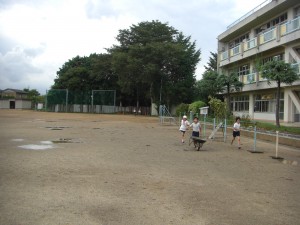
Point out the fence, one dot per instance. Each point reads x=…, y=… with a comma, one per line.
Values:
x=93, y=101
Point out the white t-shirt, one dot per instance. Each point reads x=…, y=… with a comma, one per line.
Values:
x=236, y=126
x=183, y=125
x=196, y=126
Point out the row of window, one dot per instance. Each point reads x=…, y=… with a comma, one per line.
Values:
x=245, y=69
x=280, y=19
x=262, y=103
x=272, y=23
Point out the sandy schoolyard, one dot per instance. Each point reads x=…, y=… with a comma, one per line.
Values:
x=87, y=169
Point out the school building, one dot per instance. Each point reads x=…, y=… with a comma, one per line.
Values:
x=269, y=31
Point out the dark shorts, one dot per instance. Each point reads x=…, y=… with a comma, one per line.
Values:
x=195, y=134
x=182, y=131
x=236, y=133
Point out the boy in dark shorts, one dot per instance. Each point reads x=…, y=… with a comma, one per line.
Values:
x=196, y=128
x=236, y=131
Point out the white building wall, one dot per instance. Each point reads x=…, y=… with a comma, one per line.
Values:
x=21, y=104
x=26, y=104
x=154, y=110
x=4, y=104
x=265, y=116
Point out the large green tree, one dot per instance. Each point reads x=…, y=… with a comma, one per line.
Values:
x=208, y=86
x=155, y=61
x=86, y=73
x=280, y=72
x=212, y=62
x=229, y=83
x=34, y=96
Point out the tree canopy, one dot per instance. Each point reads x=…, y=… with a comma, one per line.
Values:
x=155, y=61
x=229, y=83
x=34, y=96
x=280, y=72
x=208, y=86
x=152, y=62
x=212, y=62
x=86, y=73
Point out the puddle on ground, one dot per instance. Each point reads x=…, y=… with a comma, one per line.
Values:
x=66, y=140
x=46, y=145
x=18, y=139
x=46, y=142
x=37, y=147
x=56, y=128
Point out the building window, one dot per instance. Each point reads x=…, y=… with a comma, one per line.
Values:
x=239, y=40
x=297, y=12
x=240, y=103
x=267, y=103
x=274, y=57
x=269, y=25
x=244, y=70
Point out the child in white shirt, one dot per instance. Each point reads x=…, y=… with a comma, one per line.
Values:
x=236, y=131
x=183, y=127
x=196, y=128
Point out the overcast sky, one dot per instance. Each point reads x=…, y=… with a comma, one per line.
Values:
x=37, y=37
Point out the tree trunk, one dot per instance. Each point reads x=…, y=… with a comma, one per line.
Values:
x=278, y=104
x=137, y=99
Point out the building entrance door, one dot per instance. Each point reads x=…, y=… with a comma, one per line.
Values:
x=12, y=104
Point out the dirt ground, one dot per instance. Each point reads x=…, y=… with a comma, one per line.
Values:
x=129, y=170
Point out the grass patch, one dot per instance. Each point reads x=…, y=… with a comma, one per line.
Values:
x=282, y=129
x=263, y=126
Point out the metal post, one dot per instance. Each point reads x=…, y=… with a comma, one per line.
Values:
x=46, y=100
x=214, y=126
x=276, y=155
x=115, y=95
x=92, y=96
x=67, y=95
x=214, y=121
x=204, y=129
x=254, y=145
x=160, y=114
x=191, y=116
x=225, y=128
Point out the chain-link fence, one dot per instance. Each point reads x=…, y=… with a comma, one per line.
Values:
x=93, y=101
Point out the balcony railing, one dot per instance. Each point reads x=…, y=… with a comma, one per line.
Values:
x=260, y=78
x=249, y=78
x=297, y=67
x=270, y=35
x=250, y=44
x=236, y=50
x=290, y=26
x=224, y=55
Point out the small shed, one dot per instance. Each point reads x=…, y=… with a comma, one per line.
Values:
x=14, y=99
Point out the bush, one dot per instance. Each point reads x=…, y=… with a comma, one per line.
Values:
x=195, y=106
x=182, y=108
x=218, y=107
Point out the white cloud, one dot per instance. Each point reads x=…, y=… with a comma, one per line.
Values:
x=38, y=37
